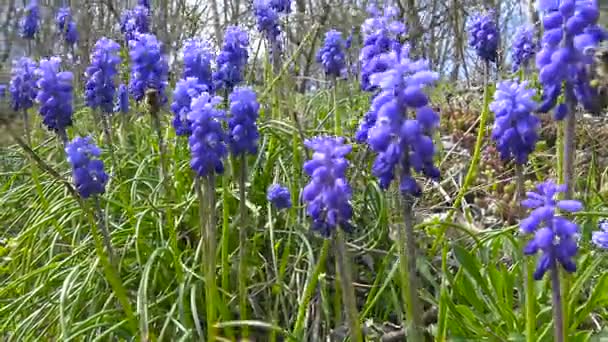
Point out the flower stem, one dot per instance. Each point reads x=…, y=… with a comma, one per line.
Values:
x=26, y=127
x=407, y=262
x=310, y=288
x=243, y=243
x=569, y=145
x=107, y=129
x=558, y=318
x=105, y=233
x=337, y=118
x=348, y=290
x=530, y=294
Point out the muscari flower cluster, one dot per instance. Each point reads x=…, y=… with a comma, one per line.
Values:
x=267, y=19
x=524, y=47
x=149, y=68
x=484, y=36
x=29, y=24
x=101, y=74
x=88, y=173
x=207, y=141
x=135, y=21
x=55, y=94
x=401, y=141
x=571, y=35
x=122, y=100
x=22, y=86
x=279, y=196
x=554, y=235
x=331, y=55
x=66, y=25
x=328, y=194
x=243, y=131
x=197, y=78
x=515, y=128
x=231, y=60
x=600, y=237
x=382, y=33
x=144, y=3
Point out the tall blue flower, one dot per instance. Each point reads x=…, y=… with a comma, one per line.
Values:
x=55, y=94
x=88, y=173
x=398, y=139
x=30, y=23
x=553, y=235
x=244, y=110
x=328, y=193
x=66, y=25
x=207, y=141
x=101, y=75
x=484, y=36
x=23, y=84
x=382, y=33
x=331, y=55
x=198, y=56
x=600, y=237
x=122, y=100
x=149, y=68
x=281, y=6
x=524, y=47
x=516, y=128
x=279, y=196
x=135, y=21
x=185, y=90
x=571, y=35
x=267, y=19
x=231, y=60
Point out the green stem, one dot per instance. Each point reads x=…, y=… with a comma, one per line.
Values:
x=348, y=290
x=107, y=128
x=105, y=233
x=310, y=288
x=472, y=171
x=530, y=295
x=207, y=226
x=407, y=263
x=26, y=127
x=243, y=243
x=225, y=233
x=337, y=118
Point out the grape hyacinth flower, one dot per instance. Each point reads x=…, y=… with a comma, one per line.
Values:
x=331, y=55
x=22, y=86
x=281, y=6
x=244, y=109
x=185, y=90
x=66, y=25
x=524, y=47
x=571, y=35
x=144, y=3
x=88, y=173
x=149, y=68
x=279, y=196
x=101, y=75
x=267, y=20
x=397, y=139
x=55, y=95
x=231, y=60
x=484, y=36
x=197, y=62
x=554, y=235
x=328, y=193
x=382, y=33
x=122, y=100
x=135, y=21
x=30, y=23
x=207, y=141
x=600, y=237
x=516, y=128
